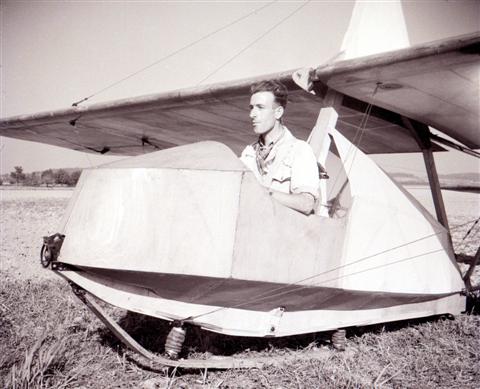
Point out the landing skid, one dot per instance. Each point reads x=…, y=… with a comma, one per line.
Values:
x=215, y=362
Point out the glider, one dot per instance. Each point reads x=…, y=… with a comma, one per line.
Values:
x=182, y=230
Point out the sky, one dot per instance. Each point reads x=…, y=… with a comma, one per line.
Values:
x=54, y=53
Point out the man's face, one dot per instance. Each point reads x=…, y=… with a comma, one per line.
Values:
x=264, y=112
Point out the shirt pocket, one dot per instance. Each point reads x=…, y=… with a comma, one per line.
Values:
x=282, y=172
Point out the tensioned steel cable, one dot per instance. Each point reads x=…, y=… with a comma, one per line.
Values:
x=253, y=42
x=363, y=125
x=471, y=228
x=301, y=287
x=463, y=243
x=354, y=144
x=175, y=52
x=284, y=289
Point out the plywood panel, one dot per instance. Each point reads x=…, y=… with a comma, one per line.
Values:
x=154, y=220
x=282, y=245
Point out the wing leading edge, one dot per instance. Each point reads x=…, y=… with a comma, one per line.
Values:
x=436, y=84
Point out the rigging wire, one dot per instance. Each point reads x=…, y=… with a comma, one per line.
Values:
x=462, y=246
x=284, y=289
x=471, y=228
x=253, y=42
x=175, y=52
x=355, y=143
x=302, y=287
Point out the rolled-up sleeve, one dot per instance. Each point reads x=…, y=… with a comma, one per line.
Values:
x=304, y=177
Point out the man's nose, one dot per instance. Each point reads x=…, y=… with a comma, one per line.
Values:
x=253, y=113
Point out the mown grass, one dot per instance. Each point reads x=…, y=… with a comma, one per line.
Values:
x=49, y=339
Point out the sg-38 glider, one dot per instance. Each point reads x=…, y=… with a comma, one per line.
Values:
x=183, y=231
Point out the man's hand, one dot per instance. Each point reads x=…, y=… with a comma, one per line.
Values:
x=301, y=202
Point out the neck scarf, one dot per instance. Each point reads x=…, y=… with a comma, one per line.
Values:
x=262, y=151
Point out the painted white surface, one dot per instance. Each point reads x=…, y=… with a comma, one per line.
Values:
x=157, y=220
x=216, y=223
x=388, y=227
x=375, y=27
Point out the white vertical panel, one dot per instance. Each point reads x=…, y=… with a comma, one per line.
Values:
x=375, y=27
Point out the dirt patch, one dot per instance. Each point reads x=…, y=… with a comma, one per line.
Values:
x=27, y=216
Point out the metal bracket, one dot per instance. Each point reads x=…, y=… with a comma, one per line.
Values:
x=51, y=249
x=275, y=315
x=58, y=266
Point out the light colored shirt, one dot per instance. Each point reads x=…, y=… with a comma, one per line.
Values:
x=290, y=167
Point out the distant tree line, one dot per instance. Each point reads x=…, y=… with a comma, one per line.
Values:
x=50, y=177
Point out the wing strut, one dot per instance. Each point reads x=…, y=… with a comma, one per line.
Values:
x=422, y=135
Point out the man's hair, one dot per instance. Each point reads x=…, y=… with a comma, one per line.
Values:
x=279, y=91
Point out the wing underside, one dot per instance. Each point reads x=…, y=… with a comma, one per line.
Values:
x=436, y=84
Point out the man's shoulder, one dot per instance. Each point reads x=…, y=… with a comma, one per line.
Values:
x=300, y=146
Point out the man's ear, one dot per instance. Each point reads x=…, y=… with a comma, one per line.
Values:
x=279, y=112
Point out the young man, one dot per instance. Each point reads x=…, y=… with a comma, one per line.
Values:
x=281, y=162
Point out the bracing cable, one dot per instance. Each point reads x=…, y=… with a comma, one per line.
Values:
x=471, y=229
x=463, y=242
x=287, y=288
x=355, y=143
x=253, y=42
x=175, y=52
x=282, y=291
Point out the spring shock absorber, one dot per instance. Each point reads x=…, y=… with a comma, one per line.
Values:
x=174, y=342
x=339, y=340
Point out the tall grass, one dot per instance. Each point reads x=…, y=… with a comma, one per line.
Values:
x=40, y=365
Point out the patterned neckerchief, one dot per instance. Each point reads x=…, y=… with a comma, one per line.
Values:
x=262, y=152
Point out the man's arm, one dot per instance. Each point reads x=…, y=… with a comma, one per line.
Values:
x=304, y=181
x=302, y=202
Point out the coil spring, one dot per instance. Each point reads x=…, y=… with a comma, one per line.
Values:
x=174, y=342
x=339, y=340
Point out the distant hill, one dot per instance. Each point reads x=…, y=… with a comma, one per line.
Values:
x=459, y=181
x=469, y=182
x=409, y=179
x=465, y=177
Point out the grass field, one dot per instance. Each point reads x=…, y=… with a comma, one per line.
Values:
x=48, y=338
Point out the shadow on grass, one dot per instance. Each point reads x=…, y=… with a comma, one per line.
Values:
x=473, y=303
x=395, y=326
x=151, y=333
